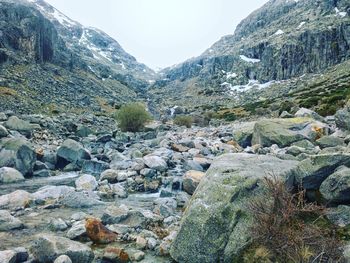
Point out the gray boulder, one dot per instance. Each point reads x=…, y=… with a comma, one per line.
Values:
x=155, y=162
x=86, y=182
x=71, y=152
x=284, y=132
x=79, y=200
x=342, y=119
x=303, y=112
x=311, y=172
x=9, y=222
x=339, y=215
x=16, y=255
x=336, y=188
x=52, y=192
x=330, y=141
x=215, y=224
x=18, y=154
x=16, y=199
x=47, y=248
x=10, y=175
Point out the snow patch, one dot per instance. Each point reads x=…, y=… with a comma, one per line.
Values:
x=279, y=32
x=252, y=84
x=301, y=25
x=62, y=19
x=338, y=13
x=249, y=60
x=231, y=75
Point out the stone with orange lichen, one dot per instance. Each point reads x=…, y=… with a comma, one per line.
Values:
x=98, y=233
x=115, y=254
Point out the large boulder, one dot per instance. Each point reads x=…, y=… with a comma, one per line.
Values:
x=336, y=188
x=243, y=133
x=9, y=222
x=46, y=248
x=303, y=112
x=71, y=152
x=24, y=127
x=18, y=154
x=10, y=175
x=311, y=172
x=215, y=225
x=342, y=119
x=330, y=141
x=284, y=132
x=52, y=192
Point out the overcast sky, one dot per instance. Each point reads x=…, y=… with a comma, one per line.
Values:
x=161, y=33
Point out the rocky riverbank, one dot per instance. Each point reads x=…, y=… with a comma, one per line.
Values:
x=74, y=188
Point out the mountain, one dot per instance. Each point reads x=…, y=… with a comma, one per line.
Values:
x=50, y=63
x=285, y=53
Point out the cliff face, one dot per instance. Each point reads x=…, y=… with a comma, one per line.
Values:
x=49, y=61
x=280, y=41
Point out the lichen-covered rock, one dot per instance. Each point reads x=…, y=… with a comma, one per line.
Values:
x=98, y=233
x=330, y=141
x=311, y=172
x=336, y=188
x=46, y=248
x=214, y=226
x=24, y=127
x=18, y=154
x=3, y=132
x=342, y=119
x=155, y=162
x=63, y=259
x=284, y=132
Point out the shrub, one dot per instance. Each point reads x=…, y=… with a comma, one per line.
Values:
x=132, y=117
x=183, y=121
x=288, y=229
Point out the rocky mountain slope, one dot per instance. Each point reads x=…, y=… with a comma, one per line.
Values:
x=49, y=62
x=273, y=47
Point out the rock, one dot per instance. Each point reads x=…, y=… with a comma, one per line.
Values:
x=3, y=132
x=155, y=162
x=342, y=119
x=8, y=222
x=193, y=165
x=42, y=173
x=83, y=131
x=8, y=256
x=86, y=182
x=115, y=176
x=339, y=215
x=18, y=154
x=16, y=124
x=329, y=141
x=311, y=172
x=16, y=199
x=94, y=167
x=46, y=248
x=63, y=259
x=3, y=116
x=137, y=256
x=124, y=216
x=71, y=152
x=52, y=192
x=57, y=224
x=115, y=254
x=336, y=188
x=243, y=133
x=284, y=132
x=286, y=114
x=141, y=242
x=77, y=230
x=346, y=253
x=179, y=148
x=213, y=227
x=79, y=200
x=191, y=180
x=98, y=233
x=303, y=112
x=119, y=190
x=9, y=175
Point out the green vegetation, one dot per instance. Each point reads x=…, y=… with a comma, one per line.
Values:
x=288, y=229
x=183, y=121
x=132, y=117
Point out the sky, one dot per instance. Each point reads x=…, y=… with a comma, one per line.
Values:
x=161, y=33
